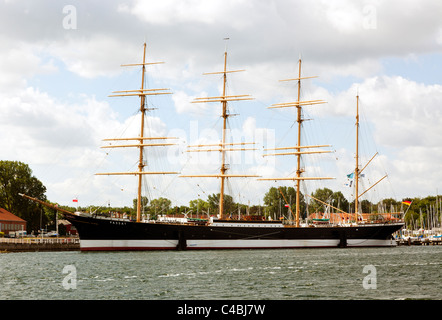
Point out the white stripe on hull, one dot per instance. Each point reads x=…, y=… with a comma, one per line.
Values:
x=127, y=244
x=226, y=244
x=371, y=243
x=284, y=243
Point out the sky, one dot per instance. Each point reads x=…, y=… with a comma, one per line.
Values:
x=59, y=62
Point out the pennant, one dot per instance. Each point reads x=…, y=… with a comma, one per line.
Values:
x=348, y=184
x=74, y=200
x=352, y=175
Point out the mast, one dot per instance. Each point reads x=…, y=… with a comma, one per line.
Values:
x=358, y=172
x=298, y=104
x=141, y=147
x=142, y=93
x=298, y=160
x=222, y=147
x=357, y=162
x=223, y=152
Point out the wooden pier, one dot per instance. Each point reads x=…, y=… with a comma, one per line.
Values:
x=39, y=244
x=419, y=242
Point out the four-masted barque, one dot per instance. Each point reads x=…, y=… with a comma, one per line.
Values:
x=104, y=233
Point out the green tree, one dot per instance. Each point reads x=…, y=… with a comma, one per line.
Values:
x=366, y=206
x=335, y=199
x=159, y=206
x=198, y=206
x=340, y=201
x=256, y=210
x=16, y=177
x=144, y=204
x=275, y=202
x=386, y=204
x=423, y=212
x=229, y=204
x=325, y=195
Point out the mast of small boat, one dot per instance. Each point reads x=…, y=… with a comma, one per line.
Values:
x=142, y=93
x=223, y=145
x=298, y=105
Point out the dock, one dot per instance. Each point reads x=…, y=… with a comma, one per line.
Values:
x=38, y=244
x=419, y=242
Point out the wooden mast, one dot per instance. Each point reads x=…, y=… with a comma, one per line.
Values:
x=141, y=147
x=142, y=93
x=223, y=152
x=222, y=147
x=358, y=171
x=357, y=162
x=298, y=167
x=298, y=104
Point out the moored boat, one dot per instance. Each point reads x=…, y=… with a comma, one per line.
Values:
x=103, y=233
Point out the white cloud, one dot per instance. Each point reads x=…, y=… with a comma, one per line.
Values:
x=344, y=16
x=439, y=36
x=183, y=103
x=405, y=117
x=94, y=56
x=19, y=62
x=170, y=12
x=337, y=39
x=403, y=112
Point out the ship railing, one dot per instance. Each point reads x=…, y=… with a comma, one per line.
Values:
x=100, y=216
x=363, y=218
x=40, y=240
x=111, y=218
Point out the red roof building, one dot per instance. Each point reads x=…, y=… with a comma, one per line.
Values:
x=10, y=222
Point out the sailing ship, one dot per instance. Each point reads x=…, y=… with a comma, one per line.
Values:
x=110, y=233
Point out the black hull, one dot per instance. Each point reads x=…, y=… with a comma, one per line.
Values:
x=113, y=234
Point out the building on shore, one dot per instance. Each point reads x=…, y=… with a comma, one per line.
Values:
x=69, y=227
x=10, y=223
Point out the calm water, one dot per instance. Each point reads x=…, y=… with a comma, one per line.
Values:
x=399, y=273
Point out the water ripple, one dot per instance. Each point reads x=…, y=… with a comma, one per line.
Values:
x=401, y=273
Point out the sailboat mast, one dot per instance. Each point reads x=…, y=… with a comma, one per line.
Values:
x=298, y=167
x=357, y=162
x=223, y=152
x=222, y=147
x=142, y=93
x=141, y=161
x=299, y=149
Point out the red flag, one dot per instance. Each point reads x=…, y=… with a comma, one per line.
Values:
x=74, y=200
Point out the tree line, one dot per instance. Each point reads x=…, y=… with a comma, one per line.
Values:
x=16, y=177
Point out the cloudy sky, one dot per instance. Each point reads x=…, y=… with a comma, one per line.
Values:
x=60, y=61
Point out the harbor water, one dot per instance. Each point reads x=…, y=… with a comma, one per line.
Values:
x=367, y=273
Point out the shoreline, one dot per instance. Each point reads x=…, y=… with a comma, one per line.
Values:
x=38, y=244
